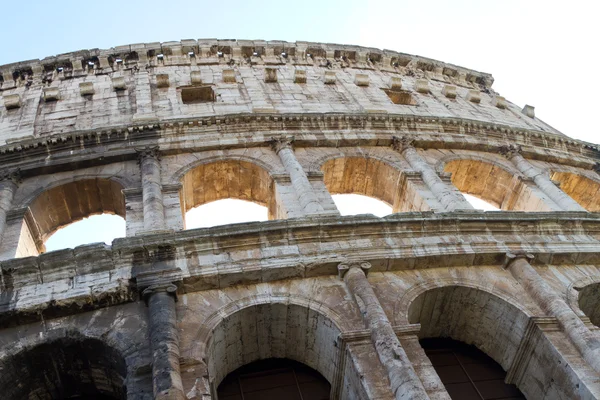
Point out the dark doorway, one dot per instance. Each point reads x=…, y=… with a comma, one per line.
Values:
x=274, y=379
x=467, y=372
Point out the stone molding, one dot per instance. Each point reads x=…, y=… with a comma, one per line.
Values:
x=481, y=136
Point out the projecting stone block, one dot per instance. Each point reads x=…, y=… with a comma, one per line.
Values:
x=361, y=80
x=86, y=88
x=422, y=86
x=162, y=80
x=270, y=75
x=12, y=101
x=449, y=91
x=118, y=83
x=196, y=77
x=51, y=94
x=299, y=76
x=395, y=83
x=499, y=102
x=229, y=76
x=529, y=111
x=329, y=77
x=474, y=96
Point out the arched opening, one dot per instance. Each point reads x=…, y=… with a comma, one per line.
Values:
x=279, y=330
x=96, y=228
x=227, y=180
x=68, y=368
x=494, y=185
x=589, y=302
x=353, y=204
x=467, y=372
x=499, y=329
x=274, y=379
x=226, y=211
x=375, y=179
x=479, y=204
x=583, y=190
x=63, y=205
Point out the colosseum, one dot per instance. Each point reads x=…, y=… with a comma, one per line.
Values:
x=437, y=300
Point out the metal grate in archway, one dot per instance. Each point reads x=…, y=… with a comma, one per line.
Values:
x=467, y=372
x=274, y=379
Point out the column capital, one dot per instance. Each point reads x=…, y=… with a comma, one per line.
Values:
x=401, y=143
x=345, y=266
x=13, y=176
x=147, y=152
x=510, y=150
x=168, y=288
x=282, y=142
x=516, y=255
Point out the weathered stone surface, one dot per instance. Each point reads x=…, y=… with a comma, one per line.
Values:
x=168, y=313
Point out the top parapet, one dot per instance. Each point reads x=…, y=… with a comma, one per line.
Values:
x=208, y=51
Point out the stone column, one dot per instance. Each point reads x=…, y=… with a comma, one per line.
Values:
x=154, y=213
x=448, y=196
x=8, y=187
x=164, y=341
x=563, y=200
x=307, y=197
x=554, y=306
x=404, y=381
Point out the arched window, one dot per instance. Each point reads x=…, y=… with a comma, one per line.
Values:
x=69, y=368
x=274, y=379
x=96, y=228
x=468, y=373
x=375, y=179
x=220, y=192
x=69, y=203
x=495, y=185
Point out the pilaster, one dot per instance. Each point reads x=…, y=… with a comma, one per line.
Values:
x=447, y=195
x=404, y=381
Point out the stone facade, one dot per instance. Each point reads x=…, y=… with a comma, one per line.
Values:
x=149, y=131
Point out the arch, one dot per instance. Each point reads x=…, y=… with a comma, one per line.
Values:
x=73, y=367
x=582, y=189
x=270, y=326
x=494, y=183
x=374, y=178
x=65, y=203
x=502, y=329
x=181, y=172
x=228, y=178
x=473, y=316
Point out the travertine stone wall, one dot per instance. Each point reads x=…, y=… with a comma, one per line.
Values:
x=167, y=313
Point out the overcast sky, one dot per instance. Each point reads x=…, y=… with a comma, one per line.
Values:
x=542, y=53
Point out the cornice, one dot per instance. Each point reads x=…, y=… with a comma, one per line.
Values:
x=232, y=52
x=309, y=130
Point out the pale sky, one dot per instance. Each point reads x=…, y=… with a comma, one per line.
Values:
x=541, y=53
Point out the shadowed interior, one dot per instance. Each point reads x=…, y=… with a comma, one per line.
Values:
x=69, y=368
x=589, y=302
